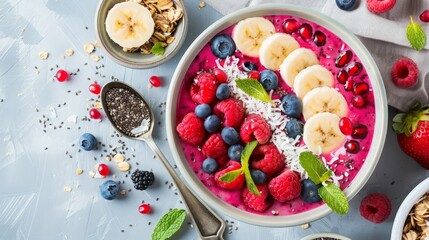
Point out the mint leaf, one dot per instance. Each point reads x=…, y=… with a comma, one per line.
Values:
x=254, y=89
x=416, y=36
x=313, y=166
x=231, y=176
x=245, y=155
x=157, y=49
x=326, y=176
x=334, y=198
x=169, y=224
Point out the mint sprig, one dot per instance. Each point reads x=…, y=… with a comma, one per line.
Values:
x=231, y=176
x=157, y=49
x=254, y=89
x=169, y=224
x=416, y=36
x=330, y=193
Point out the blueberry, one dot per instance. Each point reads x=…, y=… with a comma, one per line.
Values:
x=258, y=176
x=309, y=191
x=209, y=165
x=230, y=135
x=212, y=123
x=294, y=128
x=109, y=190
x=223, y=91
x=346, y=5
x=268, y=79
x=234, y=152
x=223, y=46
x=87, y=142
x=249, y=66
x=203, y=110
x=292, y=105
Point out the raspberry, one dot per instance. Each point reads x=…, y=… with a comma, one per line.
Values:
x=404, y=73
x=191, y=129
x=234, y=185
x=258, y=203
x=216, y=148
x=231, y=111
x=268, y=159
x=204, y=90
x=380, y=6
x=285, y=187
x=375, y=207
x=255, y=127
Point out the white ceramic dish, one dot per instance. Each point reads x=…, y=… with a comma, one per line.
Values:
x=325, y=235
x=405, y=208
x=379, y=130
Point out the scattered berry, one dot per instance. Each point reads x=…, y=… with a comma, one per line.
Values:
x=358, y=101
x=249, y=66
x=204, y=90
x=285, y=186
x=103, y=169
x=352, y=146
x=290, y=25
x=234, y=185
x=223, y=91
x=231, y=111
x=95, y=88
x=142, y=179
x=155, y=81
x=309, y=191
x=212, y=123
x=203, y=110
x=144, y=208
x=305, y=31
x=258, y=203
x=209, y=165
x=191, y=129
x=253, y=74
x=230, y=135
x=349, y=85
x=319, y=38
x=359, y=131
x=342, y=76
x=268, y=79
x=343, y=58
x=223, y=46
x=375, y=207
x=109, y=190
x=87, y=142
x=267, y=158
x=258, y=176
x=380, y=6
x=255, y=127
x=354, y=68
x=346, y=5
x=360, y=88
x=61, y=75
x=404, y=73
x=216, y=148
x=220, y=75
x=234, y=152
x=294, y=128
x=292, y=105
x=424, y=16
x=95, y=114
x=346, y=126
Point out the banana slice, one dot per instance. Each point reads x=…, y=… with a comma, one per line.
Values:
x=275, y=49
x=324, y=99
x=295, y=62
x=129, y=24
x=249, y=34
x=312, y=77
x=322, y=134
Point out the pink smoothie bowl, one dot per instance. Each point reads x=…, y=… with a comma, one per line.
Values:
x=380, y=127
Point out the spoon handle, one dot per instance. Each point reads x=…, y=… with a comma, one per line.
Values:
x=210, y=226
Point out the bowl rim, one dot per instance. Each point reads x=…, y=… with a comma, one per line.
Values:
x=380, y=127
x=405, y=208
x=329, y=235
x=142, y=65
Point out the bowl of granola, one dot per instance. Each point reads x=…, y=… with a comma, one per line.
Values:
x=412, y=219
x=141, y=33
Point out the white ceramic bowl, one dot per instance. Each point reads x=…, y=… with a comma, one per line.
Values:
x=325, y=235
x=405, y=208
x=379, y=130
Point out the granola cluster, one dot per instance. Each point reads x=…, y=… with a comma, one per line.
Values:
x=417, y=224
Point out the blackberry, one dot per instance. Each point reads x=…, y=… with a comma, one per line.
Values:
x=142, y=179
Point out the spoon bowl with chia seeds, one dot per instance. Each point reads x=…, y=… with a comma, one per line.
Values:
x=131, y=115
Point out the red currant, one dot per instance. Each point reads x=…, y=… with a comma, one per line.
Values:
x=352, y=146
x=253, y=75
x=94, y=114
x=62, y=75
x=360, y=88
x=346, y=126
x=220, y=75
x=290, y=25
x=348, y=86
x=354, y=69
x=343, y=58
x=342, y=76
x=103, y=169
x=358, y=101
x=144, y=208
x=155, y=81
x=359, y=131
x=305, y=31
x=95, y=88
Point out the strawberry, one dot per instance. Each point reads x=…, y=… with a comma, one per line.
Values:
x=412, y=130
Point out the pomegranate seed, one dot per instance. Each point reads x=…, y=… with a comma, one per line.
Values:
x=95, y=88
x=144, y=208
x=358, y=101
x=352, y=146
x=319, y=38
x=61, y=75
x=343, y=58
x=253, y=75
x=155, y=81
x=354, y=69
x=94, y=114
x=424, y=17
x=103, y=169
x=290, y=25
x=220, y=75
x=342, y=76
x=359, y=131
x=348, y=86
x=361, y=88
x=346, y=126
x=305, y=31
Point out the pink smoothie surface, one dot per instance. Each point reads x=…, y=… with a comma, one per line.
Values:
x=347, y=165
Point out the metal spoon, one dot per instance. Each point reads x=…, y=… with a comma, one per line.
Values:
x=209, y=225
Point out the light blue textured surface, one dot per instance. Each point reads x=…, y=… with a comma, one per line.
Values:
x=33, y=204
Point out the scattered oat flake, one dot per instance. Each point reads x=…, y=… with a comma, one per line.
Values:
x=108, y=158
x=79, y=171
x=95, y=58
x=149, y=85
x=69, y=52
x=305, y=226
x=97, y=43
x=43, y=55
x=88, y=48
x=67, y=189
x=202, y=4
x=118, y=158
x=91, y=174
x=123, y=192
x=123, y=166
x=72, y=119
x=98, y=105
x=37, y=71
